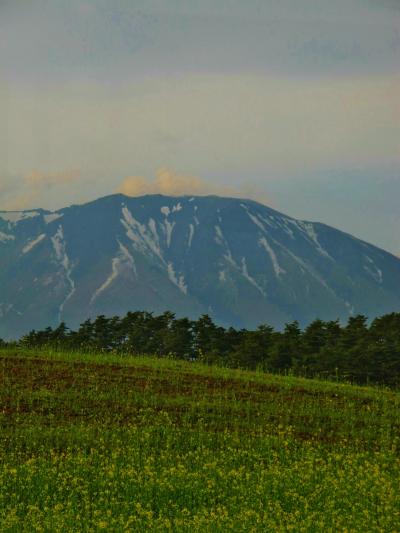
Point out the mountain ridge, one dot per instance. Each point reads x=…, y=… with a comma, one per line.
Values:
x=242, y=262
x=234, y=198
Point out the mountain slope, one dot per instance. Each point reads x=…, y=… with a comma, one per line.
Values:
x=240, y=261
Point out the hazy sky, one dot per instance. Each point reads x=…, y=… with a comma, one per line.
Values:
x=295, y=103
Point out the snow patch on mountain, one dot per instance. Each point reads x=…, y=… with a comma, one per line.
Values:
x=4, y=237
x=304, y=266
x=179, y=282
x=127, y=257
x=153, y=229
x=264, y=243
x=31, y=244
x=168, y=228
x=17, y=216
x=287, y=229
x=177, y=207
x=270, y=220
x=310, y=232
x=373, y=270
x=124, y=258
x=250, y=279
x=191, y=233
x=51, y=217
x=311, y=271
x=59, y=246
x=114, y=273
x=272, y=255
x=220, y=239
x=256, y=221
x=143, y=240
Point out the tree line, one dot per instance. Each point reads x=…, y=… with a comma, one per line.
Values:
x=356, y=351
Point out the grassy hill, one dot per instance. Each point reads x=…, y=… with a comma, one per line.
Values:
x=91, y=443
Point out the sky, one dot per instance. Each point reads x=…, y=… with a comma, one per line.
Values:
x=295, y=104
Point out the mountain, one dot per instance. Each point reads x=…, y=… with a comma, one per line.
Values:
x=240, y=261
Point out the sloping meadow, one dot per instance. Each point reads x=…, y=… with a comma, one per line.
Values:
x=141, y=444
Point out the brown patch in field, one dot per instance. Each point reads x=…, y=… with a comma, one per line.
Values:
x=41, y=374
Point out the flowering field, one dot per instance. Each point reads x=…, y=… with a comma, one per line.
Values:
x=91, y=443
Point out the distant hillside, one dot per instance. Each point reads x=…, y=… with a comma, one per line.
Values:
x=238, y=260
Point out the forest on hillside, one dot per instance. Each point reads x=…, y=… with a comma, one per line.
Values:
x=357, y=351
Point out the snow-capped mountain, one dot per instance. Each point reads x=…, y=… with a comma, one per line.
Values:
x=239, y=261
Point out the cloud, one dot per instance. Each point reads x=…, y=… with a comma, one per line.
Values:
x=170, y=183
x=28, y=191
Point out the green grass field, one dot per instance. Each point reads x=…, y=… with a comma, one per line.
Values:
x=91, y=443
